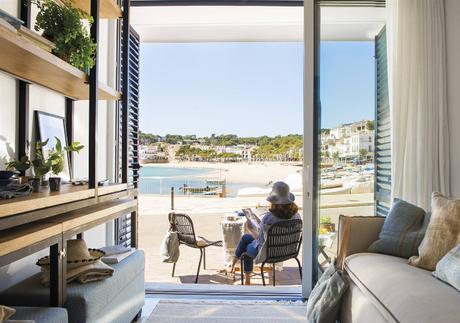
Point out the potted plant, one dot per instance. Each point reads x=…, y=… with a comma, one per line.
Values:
x=62, y=24
x=326, y=225
x=56, y=161
x=21, y=165
x=40, y=165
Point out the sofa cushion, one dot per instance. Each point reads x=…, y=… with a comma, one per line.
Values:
x=324, y=301
x=41, y=314
x=401, y=292
x=363, y=231
x=448, y=269
x=84, y=301
x=402, y=231
x=442, y=234
x=357, y=307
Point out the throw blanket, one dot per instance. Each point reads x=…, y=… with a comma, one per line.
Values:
x=114, y=250
x=82, y=274
x=15, y=190
x=169, y=249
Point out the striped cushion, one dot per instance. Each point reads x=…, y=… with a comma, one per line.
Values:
x=402, y=231
x=448, y=268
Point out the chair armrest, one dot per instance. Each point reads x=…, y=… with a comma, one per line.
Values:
x=363, y=231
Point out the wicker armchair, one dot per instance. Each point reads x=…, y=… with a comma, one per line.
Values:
x=183, y=225
x=283, y=242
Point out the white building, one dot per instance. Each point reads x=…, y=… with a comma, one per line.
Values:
x=362, y=141
x=348, y=140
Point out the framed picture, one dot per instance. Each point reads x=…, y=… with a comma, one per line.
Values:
x=50, y=126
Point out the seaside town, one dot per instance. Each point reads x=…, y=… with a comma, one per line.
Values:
x=353, y=142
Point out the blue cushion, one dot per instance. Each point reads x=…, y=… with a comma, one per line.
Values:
x=402, y=231
x=448, y=268
x=326, y=297
x=41, y=314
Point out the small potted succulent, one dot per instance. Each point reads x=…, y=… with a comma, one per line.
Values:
x=56, y=161
x=40, y=165
x=21, y=165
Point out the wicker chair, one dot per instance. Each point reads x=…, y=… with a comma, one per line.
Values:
x=283, y=242
x=183, y=225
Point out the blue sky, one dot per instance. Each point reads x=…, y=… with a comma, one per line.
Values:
x=249, y=89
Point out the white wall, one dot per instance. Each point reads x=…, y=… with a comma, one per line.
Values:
x=453, y=89
x=43, y=99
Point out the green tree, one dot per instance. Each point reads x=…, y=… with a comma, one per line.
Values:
x=174, y=139
x=147, y=138
x=370, y=125
x=362, y=153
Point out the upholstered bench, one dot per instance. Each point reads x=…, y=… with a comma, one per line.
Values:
x=40, y=314
x=116, y=299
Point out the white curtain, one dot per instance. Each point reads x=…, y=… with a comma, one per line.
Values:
x=418, y=103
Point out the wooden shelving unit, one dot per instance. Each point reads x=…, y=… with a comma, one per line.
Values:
x=25, y=60
x=46, y=220
x=109, y=8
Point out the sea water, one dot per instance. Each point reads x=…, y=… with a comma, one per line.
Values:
x=158, y=179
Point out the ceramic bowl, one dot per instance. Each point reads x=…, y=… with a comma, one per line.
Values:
x=7, y=174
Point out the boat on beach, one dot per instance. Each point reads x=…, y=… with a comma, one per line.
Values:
x=345, y=181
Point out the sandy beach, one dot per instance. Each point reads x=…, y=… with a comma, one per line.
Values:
x=258, y=173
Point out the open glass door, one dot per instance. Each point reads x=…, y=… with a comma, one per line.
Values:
x=221, y=121
x=348, y=85
x=310, y=161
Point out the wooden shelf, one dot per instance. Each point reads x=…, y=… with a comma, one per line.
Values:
x=111, y=188
x=86, y=218
x=68, y=193
x=109, y=9
x=13, y=240
x=25, y=60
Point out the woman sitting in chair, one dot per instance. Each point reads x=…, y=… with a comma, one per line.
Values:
x=282, y=208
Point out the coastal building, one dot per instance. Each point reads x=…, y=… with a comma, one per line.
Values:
x=348, y=140
x=152, y=154
x=362, y=141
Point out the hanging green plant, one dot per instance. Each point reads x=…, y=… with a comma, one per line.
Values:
x=63, y=25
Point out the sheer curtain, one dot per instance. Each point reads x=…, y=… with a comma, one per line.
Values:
x=418, y=102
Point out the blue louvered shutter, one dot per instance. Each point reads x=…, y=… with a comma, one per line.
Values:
x=382, y=129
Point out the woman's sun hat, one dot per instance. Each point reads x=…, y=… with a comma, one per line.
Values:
x=281, y=194
x=78, y=254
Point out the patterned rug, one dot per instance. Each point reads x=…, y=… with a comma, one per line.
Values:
x=168, y=311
